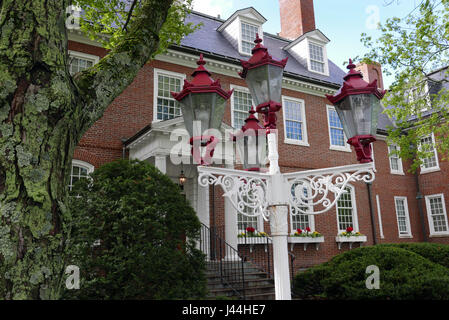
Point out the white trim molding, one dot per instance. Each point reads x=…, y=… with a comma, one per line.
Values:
x=157, y=72
x=304, y=141
x=408, y=232
x=347, y=147
x=443, y=213
x=435, y=152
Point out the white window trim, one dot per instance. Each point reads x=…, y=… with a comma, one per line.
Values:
x=429, y=215
x=407, y=217
x=79, y=163
x=355, y=221
x=347, y=147
x=400, y=170
x=156, y=73
x=326, y=61
x=240, y=39
x=239, y=88
x=304, y=141
x=82, y=55
x=437, y=167
x=311, y=219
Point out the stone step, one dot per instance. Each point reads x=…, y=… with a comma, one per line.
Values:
x=253, y=292
x=250, y=283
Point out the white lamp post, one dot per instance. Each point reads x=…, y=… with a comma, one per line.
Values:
x=273, y=194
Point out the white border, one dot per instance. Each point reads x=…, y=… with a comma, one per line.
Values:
x=326, y=61
x=400, y=170
x=304, y=141
x=347, y=148
x=407, y=217
x=355, y=220
x=429, y=215
x=83, y=55
x=239, y=88
x=435, y=152
x=156, y=72
x=311, y=218
x=240, y=39
x=90, y=168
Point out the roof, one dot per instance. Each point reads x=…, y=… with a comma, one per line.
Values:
x=207, y=39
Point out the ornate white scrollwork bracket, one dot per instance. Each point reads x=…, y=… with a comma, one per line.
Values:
x=323, y=187
x=247, y=191
x=250, y=194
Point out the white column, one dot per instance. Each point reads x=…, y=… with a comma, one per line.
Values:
x=231, y=225
x=160, y=162
x=279, y=233
x=202, y=203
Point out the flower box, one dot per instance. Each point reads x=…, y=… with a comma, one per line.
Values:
x=305, y=240
x=251, y=241
x=350, y=240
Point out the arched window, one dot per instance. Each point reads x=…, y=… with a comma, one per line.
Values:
x=80, y=170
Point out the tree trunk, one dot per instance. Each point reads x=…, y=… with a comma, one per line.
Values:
x=43, y=114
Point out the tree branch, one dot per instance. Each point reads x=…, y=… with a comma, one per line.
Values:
x=100, y=85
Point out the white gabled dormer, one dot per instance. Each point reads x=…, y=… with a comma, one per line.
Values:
x=240, y=29
x=310, y=50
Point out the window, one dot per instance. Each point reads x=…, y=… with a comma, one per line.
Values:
x=395, y=161
x=346, y=211
x=300, y=220
x=249, y=32
x=166, y=107
x=240, y=106
x=245, y=221
x=80, y=170
x=402, y=215
x=79, y=61
x=420, y=96
x=295, y=130
x=336, y=134
x=430, y=163
x=316, y=55
x=436, y=214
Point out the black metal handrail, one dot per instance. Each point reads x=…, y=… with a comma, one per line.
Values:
x=263, y=262
x=220, y=257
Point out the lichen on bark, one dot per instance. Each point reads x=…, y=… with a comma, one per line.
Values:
x=43, y=114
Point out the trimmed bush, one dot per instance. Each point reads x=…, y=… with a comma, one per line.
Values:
x=133, y=236
x=435, y=252
x=403, y=275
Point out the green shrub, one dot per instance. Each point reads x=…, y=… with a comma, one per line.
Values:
x=403, y=275
x=435, y=252
x=146, y=230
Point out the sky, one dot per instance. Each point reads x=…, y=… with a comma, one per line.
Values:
x=342, y=21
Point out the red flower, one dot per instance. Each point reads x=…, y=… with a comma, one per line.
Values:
x=250, y=229
x=349, y=229
x=299, y=231
x=308, y=229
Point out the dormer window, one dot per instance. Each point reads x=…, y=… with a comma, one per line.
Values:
x=241, y=28
x=316, y=57
x=249, y=32
x=310, y=50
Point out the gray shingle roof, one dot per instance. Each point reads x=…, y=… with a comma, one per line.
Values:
x=208, y=39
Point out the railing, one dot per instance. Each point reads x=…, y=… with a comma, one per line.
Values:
x=262, y=260
x=223, y=260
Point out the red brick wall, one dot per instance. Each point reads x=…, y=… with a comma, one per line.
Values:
x=297, y=18
x=133, y=110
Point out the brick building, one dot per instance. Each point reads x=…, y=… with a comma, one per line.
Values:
x=141, y=123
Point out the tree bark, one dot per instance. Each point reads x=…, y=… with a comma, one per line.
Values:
x=43, y=114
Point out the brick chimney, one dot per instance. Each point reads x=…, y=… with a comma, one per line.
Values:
x=371, y=72
x=297, y=18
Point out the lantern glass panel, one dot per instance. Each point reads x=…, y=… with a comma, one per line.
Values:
x=251, y=147
x=202, y=111
x=359, y=114
x=265, y=83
